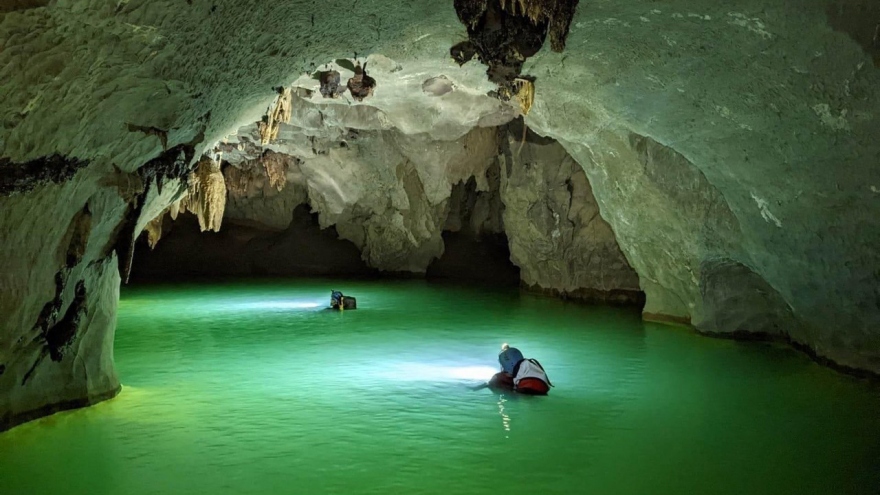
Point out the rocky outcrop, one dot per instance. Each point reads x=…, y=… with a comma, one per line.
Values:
x=763, y=119
x=383, y=191
x=557, y=236
x=56, y=347
x=394, y=196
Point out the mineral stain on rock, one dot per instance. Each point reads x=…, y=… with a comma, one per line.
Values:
x=57, y=334
x=79, y=231
x=24, y=177
x=61, y=335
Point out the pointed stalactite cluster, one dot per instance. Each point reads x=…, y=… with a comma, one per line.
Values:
x=207, y=188
x=524, y=94
x=205, y=197
x=557, y=14
x=504, y=33
x=155, y=227
x=276, y=166
x=154, y=230
x=170, y=165
x=206, y=194
x=279, y=112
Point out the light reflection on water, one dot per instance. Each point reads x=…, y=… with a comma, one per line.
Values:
x=255, y=388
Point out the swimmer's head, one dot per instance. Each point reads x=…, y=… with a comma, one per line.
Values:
x=504, y=346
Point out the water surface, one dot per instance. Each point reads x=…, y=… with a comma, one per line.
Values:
x=252, y=387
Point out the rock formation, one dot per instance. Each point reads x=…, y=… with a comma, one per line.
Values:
x=732, y=149
x=532, y=192
x=557, y=236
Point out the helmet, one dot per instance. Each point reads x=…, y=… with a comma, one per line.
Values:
x=509, y=358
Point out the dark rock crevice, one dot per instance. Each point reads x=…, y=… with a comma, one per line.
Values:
x=475, y=245
x=78, y=235
x=860, y=20
x=18, y=5
x=172, y=164
x=504, y=33
x=62, y=334
x=244, y=248
x=57, y=334
x=24, y=177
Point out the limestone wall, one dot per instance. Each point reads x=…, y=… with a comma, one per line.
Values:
x=731, y=147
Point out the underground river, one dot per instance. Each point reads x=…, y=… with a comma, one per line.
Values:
x=253, y=387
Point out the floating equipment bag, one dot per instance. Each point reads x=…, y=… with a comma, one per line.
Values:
x=349, y=302
x=529, y=377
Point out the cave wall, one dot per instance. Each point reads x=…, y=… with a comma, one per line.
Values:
x=100, y=101
x=767, y=113
x=557, y=236
x=60, y=287
x=764, y=112
x=385, y=191
x=402, y=199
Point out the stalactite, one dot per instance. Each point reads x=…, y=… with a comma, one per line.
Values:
x=279, y=113
x=154, y=230
x=276, y=167
x=525, y=94
x=240, y=178
x=330, y=84
x=177, y=208
x=557, y=13
x=504, y=33
x=207, y=194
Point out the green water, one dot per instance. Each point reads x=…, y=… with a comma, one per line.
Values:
x=253, y=388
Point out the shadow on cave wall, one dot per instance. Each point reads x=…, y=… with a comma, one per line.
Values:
x=304, y=250
x=484, y=259
x=245, y=250
x=860, y=20
x=476, y=248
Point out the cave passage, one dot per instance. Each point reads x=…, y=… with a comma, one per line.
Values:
x=245, y=249
x=259, y=382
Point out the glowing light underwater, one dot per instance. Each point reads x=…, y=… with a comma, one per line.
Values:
x=277, y=304
x=436, y=372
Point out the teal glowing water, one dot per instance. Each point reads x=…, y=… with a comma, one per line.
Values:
x=254, y=388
